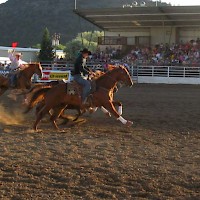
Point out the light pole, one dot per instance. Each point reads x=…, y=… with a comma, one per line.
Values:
x=55, y=41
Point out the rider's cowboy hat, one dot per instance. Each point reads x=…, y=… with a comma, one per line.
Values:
x=85, y=50
x=18, y=54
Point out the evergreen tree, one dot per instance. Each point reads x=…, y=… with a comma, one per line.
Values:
x=46, y=51
x=83, y=40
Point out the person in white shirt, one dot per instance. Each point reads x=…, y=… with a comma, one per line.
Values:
x=16, y=61
x=16, y=64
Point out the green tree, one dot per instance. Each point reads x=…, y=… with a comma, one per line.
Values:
x=60, y=47
x=83, y=40
x=46, y=52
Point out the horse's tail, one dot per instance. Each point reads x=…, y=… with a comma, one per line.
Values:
x=37, y=97
x=37, y=87
x=32, y=89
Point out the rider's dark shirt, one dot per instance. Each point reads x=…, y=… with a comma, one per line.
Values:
x=78, y=66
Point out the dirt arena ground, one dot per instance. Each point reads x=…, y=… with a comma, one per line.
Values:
x=99, y=158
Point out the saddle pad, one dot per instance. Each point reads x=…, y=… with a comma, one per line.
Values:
x=4, y=73
x=73, y=88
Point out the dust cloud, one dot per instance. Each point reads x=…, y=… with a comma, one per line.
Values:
x=8, y=117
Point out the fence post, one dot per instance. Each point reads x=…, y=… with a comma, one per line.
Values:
x=168, y=72
x=152, y=71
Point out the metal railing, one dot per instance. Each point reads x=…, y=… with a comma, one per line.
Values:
x=168, y=71
x=135, y=71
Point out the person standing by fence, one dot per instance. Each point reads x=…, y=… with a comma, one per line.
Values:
x=16, y=64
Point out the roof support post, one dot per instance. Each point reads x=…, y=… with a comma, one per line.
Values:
x=163, y=25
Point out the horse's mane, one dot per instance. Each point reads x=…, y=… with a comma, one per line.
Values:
x=27, y=65
x=108, y=73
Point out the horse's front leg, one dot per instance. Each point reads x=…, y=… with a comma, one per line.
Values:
x=119, y=104
x=105, y=111
x=115, y=103
x=111, y=108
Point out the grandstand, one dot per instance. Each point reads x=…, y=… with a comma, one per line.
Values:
x=145, y=25
x=151, y=30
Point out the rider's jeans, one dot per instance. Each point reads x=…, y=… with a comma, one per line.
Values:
x=86, y=86
x=12, y=79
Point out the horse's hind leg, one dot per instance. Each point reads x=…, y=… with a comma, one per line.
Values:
x=39, y=116
x=64, y=118
x=80, y=112
x=2, y=90
x=56, y=113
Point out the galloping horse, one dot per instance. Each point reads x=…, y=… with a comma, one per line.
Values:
x=23, y=78
x=57, y=99
x=36, y=98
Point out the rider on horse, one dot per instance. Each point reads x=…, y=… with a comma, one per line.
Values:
x=80, y=69
x=16, y=64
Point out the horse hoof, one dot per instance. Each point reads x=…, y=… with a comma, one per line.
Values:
x=25, y=102
x=108, y=114
x=36, y=130
x=91, y=110
x=129, y=123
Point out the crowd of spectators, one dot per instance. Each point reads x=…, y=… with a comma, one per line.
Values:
x=4, y=65
x=182, y=54
x=106, y=55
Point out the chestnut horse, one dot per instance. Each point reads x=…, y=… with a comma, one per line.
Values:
x=23, y=78
x=36, y=98
x=57, y=99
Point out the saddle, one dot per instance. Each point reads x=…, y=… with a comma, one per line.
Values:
x=73, y=88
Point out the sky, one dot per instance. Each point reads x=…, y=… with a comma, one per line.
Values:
x=2, y=1
x=182, y=2
x=173, y=2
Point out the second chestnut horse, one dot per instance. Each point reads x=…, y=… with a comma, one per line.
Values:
x=23, y=78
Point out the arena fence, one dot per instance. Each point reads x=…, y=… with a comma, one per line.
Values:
x=140, y=74
x=167, y=74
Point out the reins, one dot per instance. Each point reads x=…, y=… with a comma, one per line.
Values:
x=107, y=75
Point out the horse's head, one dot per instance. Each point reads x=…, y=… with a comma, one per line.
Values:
x=38, y=69
x=124, y=76
x=111, y=67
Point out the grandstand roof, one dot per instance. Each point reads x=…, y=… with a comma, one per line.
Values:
x=128, y=19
